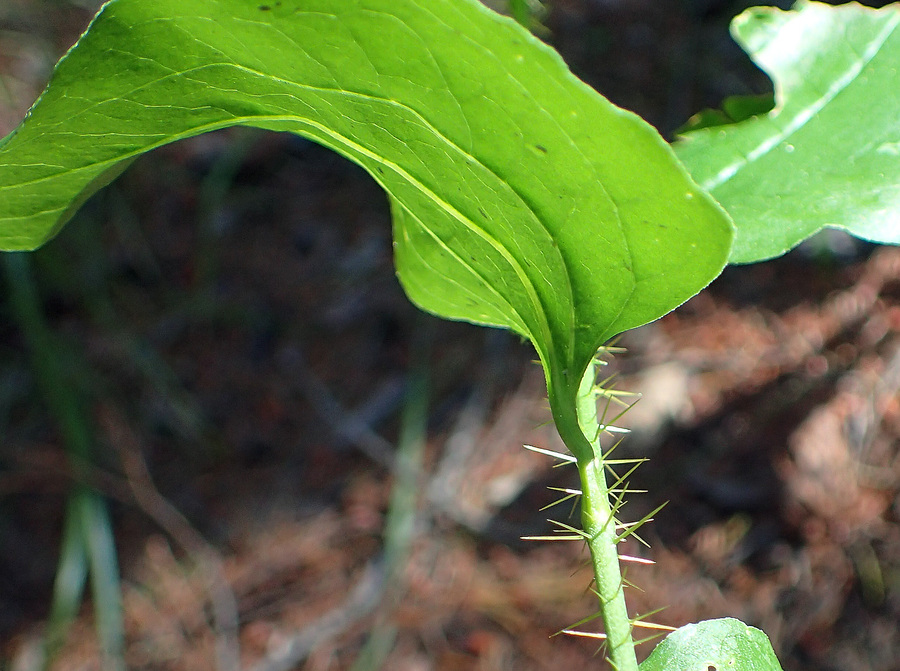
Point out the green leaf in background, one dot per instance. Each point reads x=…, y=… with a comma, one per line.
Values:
x=521, y=198
x=828, y=154
x=734, y=110
x=714, y=645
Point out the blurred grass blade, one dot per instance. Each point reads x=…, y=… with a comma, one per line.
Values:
x=87, y=517
x=105, y=584
x=87, y=547
x=45, y=356
x=68, y=587
x=400, y=522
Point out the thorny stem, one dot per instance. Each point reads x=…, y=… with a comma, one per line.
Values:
x=598, y=520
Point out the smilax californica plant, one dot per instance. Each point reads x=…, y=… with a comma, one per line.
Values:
x=521, y=198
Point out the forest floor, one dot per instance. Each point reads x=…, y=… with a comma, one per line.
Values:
x=229, y=310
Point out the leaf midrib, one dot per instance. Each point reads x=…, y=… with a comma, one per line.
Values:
x=247, y=120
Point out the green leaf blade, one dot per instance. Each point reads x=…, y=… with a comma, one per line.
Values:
x=521, y=198
x=725, y=644
x=827, y=155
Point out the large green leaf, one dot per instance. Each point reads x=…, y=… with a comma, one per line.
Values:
x=828, y=155
x=714, y=645
x=521, y=198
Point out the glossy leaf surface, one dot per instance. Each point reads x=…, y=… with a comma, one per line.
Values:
x=714, y=645
x=828, y=154
x=521, y=198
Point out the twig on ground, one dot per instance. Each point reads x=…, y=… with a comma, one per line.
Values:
x=348, y=425
x=170, y=519
x=444, y=486
x=361, y=602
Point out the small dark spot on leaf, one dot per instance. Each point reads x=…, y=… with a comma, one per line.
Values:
x=540, y=148
x=264, y=8
x=482, y=212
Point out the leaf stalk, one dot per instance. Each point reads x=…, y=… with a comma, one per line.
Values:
x=599, y=524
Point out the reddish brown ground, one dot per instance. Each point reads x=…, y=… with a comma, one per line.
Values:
x=231, y=331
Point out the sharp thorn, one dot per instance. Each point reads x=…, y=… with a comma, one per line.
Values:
x=636, y=560
x=584, y=634
x=562, y=500
x=651, y=625
x=565, y=490
x=621, y=462
x=647, y=639
x=634, y=526
x=568, y=527
x=550, y=453
x=583, y=621
x=649, y=613
x=628, y=583
x=628, y=525
x=639, y=540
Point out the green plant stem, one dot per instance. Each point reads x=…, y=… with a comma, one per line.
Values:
x=599, y=524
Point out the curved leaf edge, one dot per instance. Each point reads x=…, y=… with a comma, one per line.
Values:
x=723, y=644
x=565, y=386
x=741, y=109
